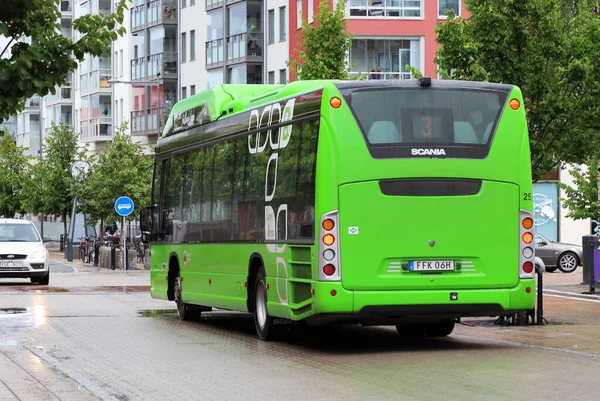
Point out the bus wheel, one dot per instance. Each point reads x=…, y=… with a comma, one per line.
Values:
x=265, y=327
x=185, y=311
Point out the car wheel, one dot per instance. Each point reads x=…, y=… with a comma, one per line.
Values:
x=568, y=262
x=41, y=280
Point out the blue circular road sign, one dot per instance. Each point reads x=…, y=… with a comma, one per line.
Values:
x=124, y=206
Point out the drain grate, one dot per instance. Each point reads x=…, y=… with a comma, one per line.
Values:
x=12, y=311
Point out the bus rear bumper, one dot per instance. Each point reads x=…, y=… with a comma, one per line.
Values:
x=419, y=305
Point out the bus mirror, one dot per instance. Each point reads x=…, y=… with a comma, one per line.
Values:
x=145, y=219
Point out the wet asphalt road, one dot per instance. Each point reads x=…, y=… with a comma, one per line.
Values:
x=82, y=341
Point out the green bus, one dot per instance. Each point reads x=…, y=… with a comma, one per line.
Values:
x=403, y=203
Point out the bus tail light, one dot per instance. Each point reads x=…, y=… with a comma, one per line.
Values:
x=527, y=253
x=329, y=248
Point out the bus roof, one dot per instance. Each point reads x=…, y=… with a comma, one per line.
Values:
x=227, y=99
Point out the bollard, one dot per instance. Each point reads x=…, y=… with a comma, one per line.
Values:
x=113, y=257
x=540, y=295
x=587, y=242
x=62, y=243
x=96, y=253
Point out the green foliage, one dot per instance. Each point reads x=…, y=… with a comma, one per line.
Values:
x=549, y=48
x=323, y=45
x=14, y=175
x=582, y=198
x=120, y=169
x=51, y=190
x=41, y=57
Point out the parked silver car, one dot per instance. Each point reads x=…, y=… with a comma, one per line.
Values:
x=565, y=257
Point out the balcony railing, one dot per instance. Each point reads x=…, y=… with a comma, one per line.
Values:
x=214, y=52
x=33, y=102
x=210, y=4
x=244, y=45
x=165, y=63
x=148, y=121
x=138, y=17
x=138, y=68
x=383, y=8
x=155, y=12
x=162, y=12
x=98, y=129
x=382, y=75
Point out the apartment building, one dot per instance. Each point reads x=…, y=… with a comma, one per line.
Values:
x=388, y=34
x=154, y=67
x=193, y=30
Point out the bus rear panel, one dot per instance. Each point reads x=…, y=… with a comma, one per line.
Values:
x=432, y=204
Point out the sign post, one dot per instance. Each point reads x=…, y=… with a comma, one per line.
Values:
x=124, y=207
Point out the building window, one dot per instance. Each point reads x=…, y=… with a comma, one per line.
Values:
x=214, y=39
x=271, y=77
x=282, y=24
x=183, y=4
x=121, y=111
x=310, y=11
x=298, y=14
x=384, y=58
x=192, y=90
x=183, y=47
x=116, y=65
x=192, y=3
x=192, y=45
x=282, y=76
x=271, y=26
x=385, y=8
x=447, y=5
x=183, y=92
x=121, y=63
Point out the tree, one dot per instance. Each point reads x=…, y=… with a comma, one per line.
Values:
x=14, y=175
x=546, y=47
x=582, y=198
x=323, y=46
x=121, y=169
x=41, y=57
x=51, y=190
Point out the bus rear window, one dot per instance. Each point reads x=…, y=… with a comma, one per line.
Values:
x=427, y=117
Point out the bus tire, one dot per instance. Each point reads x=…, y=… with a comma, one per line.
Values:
x=184, y=311
x=439, y=329
x=265, y=327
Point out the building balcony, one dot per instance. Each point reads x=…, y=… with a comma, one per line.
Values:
x=214, y=53
x=157, y=12
x=97, y=130
x=148, y=67
x=66, y=7
x=212, y=4
x=64, y=94
x=384, y=9
x=96, y=81
x=381, y=75
x=149, y=121
x=33, y=104
x=245, y=47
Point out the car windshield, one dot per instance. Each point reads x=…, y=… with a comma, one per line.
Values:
x=18, y=233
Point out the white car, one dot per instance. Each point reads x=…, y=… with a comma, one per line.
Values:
x=22, y=251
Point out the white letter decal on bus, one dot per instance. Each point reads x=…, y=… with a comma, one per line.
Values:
x=274, y=119
x=262, y=123
x=269, y=198
x=253, y=113
x=285, y=133
x=282, y=280
x=270, y=227
x=282, y=208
